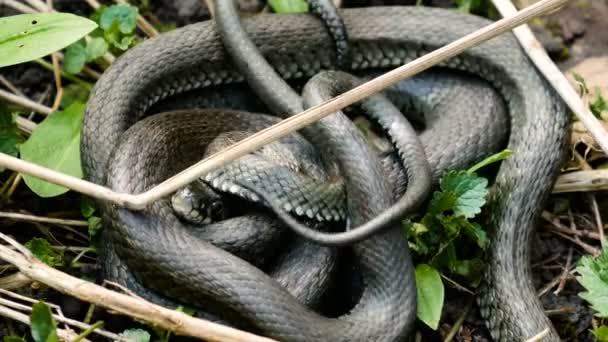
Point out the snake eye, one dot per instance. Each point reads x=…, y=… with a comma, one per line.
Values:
x=216, y=210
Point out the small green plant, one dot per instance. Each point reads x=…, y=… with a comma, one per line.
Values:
x=599, y=104
x=592, y=274
x=441, y=239
x=115, y=33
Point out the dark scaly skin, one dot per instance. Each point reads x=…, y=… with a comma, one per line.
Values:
x=297, y=46
x=283, y=100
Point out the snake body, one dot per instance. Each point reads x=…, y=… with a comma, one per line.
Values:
x=154, y=247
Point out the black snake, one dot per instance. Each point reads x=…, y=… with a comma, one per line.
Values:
x=154, y=247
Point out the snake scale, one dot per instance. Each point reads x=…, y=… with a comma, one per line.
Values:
x=154, y=247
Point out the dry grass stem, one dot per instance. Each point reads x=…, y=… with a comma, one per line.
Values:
x=33, y=218
x=25, y=102
x=556, y=78
x=14, y=281
x=582, y=181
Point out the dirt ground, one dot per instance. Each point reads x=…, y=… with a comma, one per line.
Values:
x=575, y=36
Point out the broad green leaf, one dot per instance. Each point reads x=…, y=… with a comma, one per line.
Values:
x=27, y=37
x=13, y=339
x=288, y=6
x=44, y=328
x=55, y=144
x=470, y=191
x=94, y=226
x=75, y=58
x=593, y=276
x=430, y=292
x=601, y=333
x=136, y=335
x=42, y=250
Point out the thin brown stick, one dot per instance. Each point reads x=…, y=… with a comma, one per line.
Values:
x=14, y=281
x=172, y=320
x=286, y=126
x=554, y=76
x=586, y=247
x=34, y=218
x=557, y=225
x=25, y=102
x=565, y=274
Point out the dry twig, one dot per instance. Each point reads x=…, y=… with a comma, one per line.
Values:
x=556, y=78
x=172, y=320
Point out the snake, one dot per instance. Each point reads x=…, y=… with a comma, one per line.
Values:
x=179, y=66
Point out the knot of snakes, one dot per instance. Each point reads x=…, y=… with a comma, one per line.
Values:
x=162, y=105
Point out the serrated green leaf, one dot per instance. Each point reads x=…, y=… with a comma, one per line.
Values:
x=593, y=276
x=288, y=6
x=42, y=250
x=136, y=335
x=470, y=191
x=55, y=144
x=123, y=15
x=75, y=58
x=430, y=294
x=96, y=48
x=27, y=37
x=43, y=326
x=12, y=339
x=601, y=333
x=441, y=202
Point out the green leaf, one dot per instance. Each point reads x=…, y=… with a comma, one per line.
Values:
x=288, y=6
x=601, y=333
x=75, y=58
x=74, y=93
x=599, y=105
x=44, y=328
x=136, y=335
x=9, y=133
x=27, y=37
x=470, y=191
x=55, y=144
x=96, y=48
x=13, y=339
x=430, y=292
x=593, y=276
x=125, y=16
x=94, y=226
x=87, y=207
x=490, y=160
x=42, y=250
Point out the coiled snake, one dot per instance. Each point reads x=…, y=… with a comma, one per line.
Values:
x=189, y=68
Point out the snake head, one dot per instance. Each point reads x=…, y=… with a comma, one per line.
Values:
x=197, y=203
